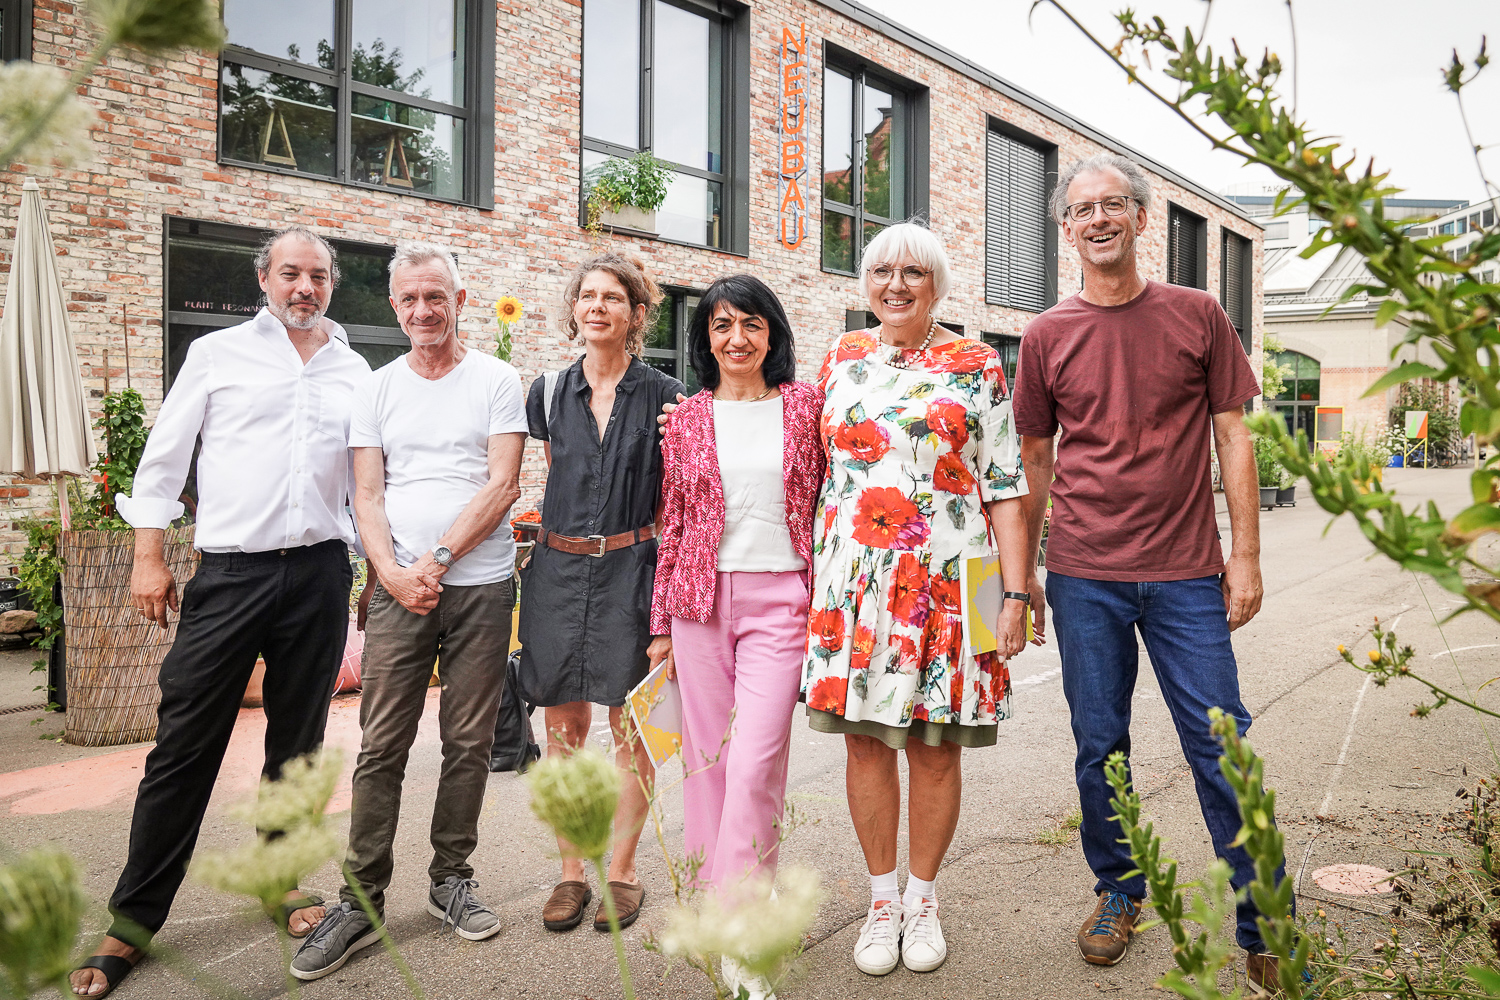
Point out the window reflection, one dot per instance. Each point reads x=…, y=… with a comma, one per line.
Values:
x=882, y=147
x=838, y=241
x=838, y=137
x=412, y=46
x=612, y=71
x=692, y=211
x=278, y=120
x=401, y=146
x=688, y=75
x=301, y=30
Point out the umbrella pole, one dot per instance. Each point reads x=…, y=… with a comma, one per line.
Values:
x=60, y=484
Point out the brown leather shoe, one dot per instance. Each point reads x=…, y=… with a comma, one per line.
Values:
x=628, y=900
x=1263, y=972
x=564, y=909
x=1104, y=937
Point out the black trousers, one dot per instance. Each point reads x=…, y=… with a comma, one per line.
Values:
x=289, y=606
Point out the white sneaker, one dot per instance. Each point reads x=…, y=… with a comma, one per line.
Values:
x=922, y=946
x=736, y=978
x=879, y=946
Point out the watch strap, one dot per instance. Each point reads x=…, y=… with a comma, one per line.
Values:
x=1011, y=595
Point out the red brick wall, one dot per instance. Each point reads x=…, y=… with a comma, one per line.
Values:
x=156, y=147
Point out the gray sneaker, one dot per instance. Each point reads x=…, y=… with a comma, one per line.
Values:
x=453, y=903
x=344, y=930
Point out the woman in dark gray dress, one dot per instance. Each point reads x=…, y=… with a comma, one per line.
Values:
x=586, y=595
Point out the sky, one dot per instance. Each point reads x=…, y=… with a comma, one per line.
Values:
x=1370, y=74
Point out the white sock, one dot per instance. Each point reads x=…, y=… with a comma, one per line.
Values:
x=884, y=887
x=916, y=891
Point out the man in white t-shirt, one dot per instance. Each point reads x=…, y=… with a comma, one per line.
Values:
x=436, y=436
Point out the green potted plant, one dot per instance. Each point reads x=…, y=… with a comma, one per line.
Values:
x=625, y=194
x=1268, y=471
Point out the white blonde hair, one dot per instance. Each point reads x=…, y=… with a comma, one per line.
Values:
x=411, y=252
x=908, y=239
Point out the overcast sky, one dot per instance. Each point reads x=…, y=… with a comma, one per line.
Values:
x=1369, y=68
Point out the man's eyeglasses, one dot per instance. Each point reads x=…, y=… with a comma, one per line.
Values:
x=882, y=274
x=1083, y=211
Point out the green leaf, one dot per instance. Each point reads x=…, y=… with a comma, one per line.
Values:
x=1477, y=520
x=1402, y=373
x=1487, y=979
x=1388, y=311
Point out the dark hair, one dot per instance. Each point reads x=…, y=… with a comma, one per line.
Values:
x=754, y=297
x=630, y=272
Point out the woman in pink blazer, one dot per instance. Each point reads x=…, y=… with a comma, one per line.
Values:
x=743, y=462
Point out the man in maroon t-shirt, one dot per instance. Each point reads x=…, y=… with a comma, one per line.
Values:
x=1136, y=374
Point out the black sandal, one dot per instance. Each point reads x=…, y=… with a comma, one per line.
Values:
x=115, y=970
x=285, y=910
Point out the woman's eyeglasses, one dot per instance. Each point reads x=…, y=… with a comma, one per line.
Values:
x=882, y=274
x=1083, y=211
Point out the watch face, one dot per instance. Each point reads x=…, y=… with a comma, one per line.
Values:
x=443, y=555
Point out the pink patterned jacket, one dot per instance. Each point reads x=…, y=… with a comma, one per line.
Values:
x=692, y=519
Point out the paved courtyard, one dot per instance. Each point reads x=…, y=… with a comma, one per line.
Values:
x=1358, y=779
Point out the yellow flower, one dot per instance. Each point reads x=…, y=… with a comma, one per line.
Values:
x=508, y=309
x=1374, y=656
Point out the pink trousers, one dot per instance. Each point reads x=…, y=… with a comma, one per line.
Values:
x=745, y=660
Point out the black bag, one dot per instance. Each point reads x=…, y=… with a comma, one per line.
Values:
x=515, y=745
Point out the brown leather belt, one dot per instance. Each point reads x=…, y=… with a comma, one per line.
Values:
x=595, y=545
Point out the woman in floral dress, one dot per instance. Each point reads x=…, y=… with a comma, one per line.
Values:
x=924, y=472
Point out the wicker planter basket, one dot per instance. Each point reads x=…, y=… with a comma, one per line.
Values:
x=113, y=654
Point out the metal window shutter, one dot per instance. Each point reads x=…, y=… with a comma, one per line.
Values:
x=1182, y=249
x=1015, y=224
x=1232, y=280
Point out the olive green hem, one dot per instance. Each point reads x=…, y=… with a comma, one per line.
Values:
x=895, y=737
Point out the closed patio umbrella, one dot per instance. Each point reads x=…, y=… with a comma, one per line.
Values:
x=45, y=430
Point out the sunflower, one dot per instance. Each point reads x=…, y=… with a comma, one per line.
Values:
x=508, y=309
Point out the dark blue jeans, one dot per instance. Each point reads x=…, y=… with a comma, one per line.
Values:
x=1186, y=633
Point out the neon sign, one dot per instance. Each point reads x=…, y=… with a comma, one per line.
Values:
x=792, y=129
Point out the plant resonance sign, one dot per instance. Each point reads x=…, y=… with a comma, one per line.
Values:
x=793, y=132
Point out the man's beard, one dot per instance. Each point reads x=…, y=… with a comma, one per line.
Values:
x=296, y=321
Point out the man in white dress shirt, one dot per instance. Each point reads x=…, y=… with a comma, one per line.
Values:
x=271, y=401
x=437, y=437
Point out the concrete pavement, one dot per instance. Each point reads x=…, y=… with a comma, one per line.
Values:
x=1336, y=747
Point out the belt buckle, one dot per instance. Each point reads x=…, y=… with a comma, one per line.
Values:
x=601, y=540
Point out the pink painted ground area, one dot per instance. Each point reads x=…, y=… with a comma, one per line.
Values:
x=109, y=780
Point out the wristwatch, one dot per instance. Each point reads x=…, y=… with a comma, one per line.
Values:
x=442, y=555
x=1011, y=595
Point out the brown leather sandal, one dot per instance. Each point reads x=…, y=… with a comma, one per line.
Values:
x=628, y=899
x=564, y=909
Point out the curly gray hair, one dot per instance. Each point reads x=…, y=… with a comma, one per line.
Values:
x=1140, y=184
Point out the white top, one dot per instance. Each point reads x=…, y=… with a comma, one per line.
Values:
x=749, y=441
x=435, y=435
x=274, y=470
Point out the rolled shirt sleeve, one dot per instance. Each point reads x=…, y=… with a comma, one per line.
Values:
x=163, y=469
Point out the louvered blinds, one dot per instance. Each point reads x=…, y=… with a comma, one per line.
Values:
x=1234, y=283
x=1185, y=249
x=1015, y=224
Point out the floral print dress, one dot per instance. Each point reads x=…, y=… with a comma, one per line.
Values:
x=913, y=455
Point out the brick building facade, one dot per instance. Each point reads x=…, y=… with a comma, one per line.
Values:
x=195, y=154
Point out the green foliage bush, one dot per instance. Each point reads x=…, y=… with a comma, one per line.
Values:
x=639, y=182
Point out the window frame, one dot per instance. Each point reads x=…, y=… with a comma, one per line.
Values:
x=674, y=302
x=477, y=112
x=1049, y=227
x=1246, y=282
x=250, y=236
x=15, y=29
x=1008, y=346
x=915, y=98
x=735, y=117
x=1179, y=216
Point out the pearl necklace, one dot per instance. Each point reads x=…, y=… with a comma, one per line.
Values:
x=896, y=359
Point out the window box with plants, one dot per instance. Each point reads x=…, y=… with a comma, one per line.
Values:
x=625, y=194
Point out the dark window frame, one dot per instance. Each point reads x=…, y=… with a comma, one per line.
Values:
x=1180, y=220
x=15, y=29
x=248, y=236
x=735, y=89
x=1049, y=227
x=477, y=112
x=916, y=98
x=674, y=305
x=1243, y=323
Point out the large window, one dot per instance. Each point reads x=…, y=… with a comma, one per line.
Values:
x=395, y=94
x=1235, y=262
x=874, y=163
x=1298, y=401
x=667, y=342
x=1187, y=248
x=668, y=77
x=1020, y=240
x=15, y=29
x=211, y=283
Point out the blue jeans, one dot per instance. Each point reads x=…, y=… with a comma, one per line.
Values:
x=1186, y=633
